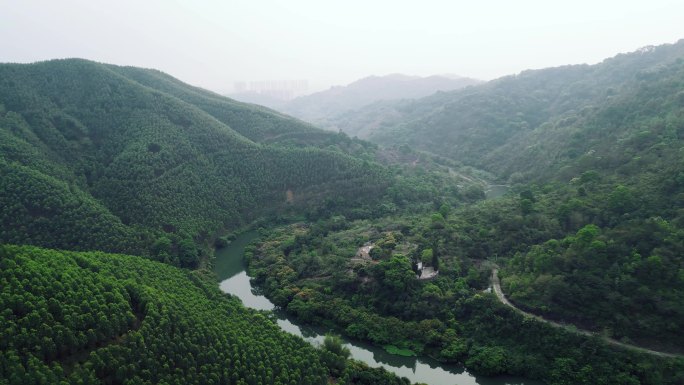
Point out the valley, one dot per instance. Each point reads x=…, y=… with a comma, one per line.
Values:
x=230, y=270
x=526, y=230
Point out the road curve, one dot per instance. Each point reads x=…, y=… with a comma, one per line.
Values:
x=496, y=286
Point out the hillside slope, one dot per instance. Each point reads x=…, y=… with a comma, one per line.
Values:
x=113, y=158
x=591, y=233
x=595, y=155
x=96, y=318
x=518, y=122
x=253, y=122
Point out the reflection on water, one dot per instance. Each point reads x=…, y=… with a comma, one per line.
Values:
x=228, y=260
x=239, y=286
x=415, y=369
x=234, y=280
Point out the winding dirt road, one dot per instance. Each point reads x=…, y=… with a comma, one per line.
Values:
x=496, y=285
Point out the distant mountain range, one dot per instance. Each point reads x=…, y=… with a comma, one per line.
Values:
x=320, y=107
x=538, y=121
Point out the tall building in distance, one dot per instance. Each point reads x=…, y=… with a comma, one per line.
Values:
x=277, y=89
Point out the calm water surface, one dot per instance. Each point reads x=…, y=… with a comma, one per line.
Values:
x=230, y=269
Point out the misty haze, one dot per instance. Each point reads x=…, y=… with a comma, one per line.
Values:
x=358, y=193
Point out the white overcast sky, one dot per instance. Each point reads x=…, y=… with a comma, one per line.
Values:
x=213, y=43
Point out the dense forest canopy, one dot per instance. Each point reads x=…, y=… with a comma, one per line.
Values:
x=516, y=124
x=590, y=234
x=115, y=158
x=99, y=157
x=91, y=317
x=391, y=242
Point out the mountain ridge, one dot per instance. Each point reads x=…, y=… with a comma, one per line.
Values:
x=153, y=155
x=318, y=107
x=503, y=109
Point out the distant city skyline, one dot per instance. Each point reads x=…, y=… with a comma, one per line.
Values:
x=214, y=44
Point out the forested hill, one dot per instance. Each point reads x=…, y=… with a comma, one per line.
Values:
x=539, y=120
x=96, y=318
x=592, y=232
x=323, y=106
x=95, y=156
x=595, y=155
x=100, y=318
x=252, y=121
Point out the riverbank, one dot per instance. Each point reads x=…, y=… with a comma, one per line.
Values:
x=230, y=269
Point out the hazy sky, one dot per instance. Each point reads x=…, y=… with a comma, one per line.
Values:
x=213, y=43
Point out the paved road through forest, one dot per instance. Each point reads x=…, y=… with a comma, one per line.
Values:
x=496, y=285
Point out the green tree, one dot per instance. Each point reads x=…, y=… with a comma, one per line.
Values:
x=188, y=254
x=397, y=272
x=489, y=361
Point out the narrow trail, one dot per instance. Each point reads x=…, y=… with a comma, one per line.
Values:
x=496, y=285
